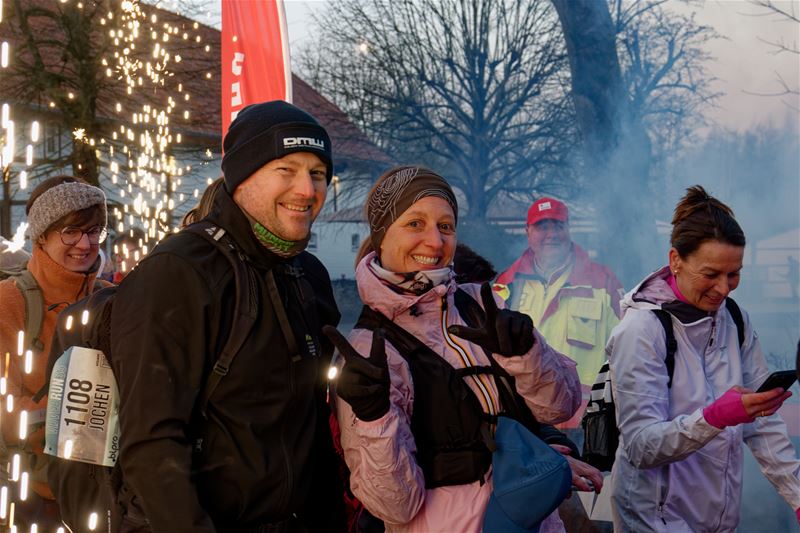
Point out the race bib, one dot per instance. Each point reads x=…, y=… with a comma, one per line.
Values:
x=82, y=408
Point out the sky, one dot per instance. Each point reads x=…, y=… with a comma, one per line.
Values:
x=745, y=63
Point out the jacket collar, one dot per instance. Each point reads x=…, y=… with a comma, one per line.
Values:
x=579, y=282
x=580, y=267
x=654, y=292
x=58, y=284
x=227, y=214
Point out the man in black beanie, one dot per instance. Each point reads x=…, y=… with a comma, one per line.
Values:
x=253, y=451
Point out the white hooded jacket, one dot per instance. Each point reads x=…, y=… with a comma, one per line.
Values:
x=673, y=470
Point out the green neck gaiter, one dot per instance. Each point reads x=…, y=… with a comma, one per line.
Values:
x=276, y=245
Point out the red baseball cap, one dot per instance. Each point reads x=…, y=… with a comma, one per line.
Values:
x=547, y=208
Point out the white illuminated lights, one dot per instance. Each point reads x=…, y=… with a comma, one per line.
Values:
x=333, y=372
x=136, y=156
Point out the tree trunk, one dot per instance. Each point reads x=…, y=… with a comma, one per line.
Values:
x=84, y=162
x=5, y=205
x=616, y=148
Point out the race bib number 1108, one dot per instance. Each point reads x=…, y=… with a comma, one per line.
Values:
x=82, y=408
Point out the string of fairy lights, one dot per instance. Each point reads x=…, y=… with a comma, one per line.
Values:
x=140, y=173
x=138, y=169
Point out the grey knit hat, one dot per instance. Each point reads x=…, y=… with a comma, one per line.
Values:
x=61, y=200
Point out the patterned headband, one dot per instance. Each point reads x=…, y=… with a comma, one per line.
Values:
x=399, y=190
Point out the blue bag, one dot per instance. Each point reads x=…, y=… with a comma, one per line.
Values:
x=530, y=479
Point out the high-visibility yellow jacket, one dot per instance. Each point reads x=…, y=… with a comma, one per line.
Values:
x=575, y=310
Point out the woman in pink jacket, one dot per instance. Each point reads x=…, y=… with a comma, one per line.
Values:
x=407, y=430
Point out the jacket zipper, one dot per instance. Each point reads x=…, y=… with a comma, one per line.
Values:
x=663, y=490
x=725, y=477
x=482, y=388
x=713, y=329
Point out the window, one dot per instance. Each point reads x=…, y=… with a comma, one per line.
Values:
x=355, y=242
x=312, y=241
x=52, y=140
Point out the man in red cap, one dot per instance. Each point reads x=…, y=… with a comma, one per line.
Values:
x=573, y=301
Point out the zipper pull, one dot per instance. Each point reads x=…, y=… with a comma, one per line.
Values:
x=713, y=328
x=661, y=512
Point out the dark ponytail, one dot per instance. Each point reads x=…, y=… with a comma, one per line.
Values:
x=699, y=217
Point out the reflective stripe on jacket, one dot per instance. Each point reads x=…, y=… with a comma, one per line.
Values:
x=577, y=315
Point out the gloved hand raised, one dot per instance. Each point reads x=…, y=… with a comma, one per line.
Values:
x=364, y=382
x=503, y=331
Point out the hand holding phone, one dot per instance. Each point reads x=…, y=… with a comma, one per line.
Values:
x=782, y=378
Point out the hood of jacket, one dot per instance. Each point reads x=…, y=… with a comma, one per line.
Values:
x=653, y=292
x=60, y=285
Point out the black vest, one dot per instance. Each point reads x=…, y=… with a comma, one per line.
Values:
x=451, y=430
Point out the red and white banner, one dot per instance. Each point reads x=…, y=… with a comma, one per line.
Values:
x=255, y=55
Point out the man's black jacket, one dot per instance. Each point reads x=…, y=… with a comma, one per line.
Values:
x=265, y=452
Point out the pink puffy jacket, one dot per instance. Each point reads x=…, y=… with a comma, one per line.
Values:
x=380, y=454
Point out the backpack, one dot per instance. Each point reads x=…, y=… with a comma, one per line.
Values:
x=34, y=303
x=82, y=488
x=600, y=431
x=34, y=318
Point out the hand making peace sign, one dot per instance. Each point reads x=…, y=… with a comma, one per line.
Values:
x=364, y=382
x=504, y=332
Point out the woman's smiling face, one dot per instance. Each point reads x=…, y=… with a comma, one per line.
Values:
x=706, y=276
x=422, y=238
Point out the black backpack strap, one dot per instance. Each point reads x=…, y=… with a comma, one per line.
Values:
x=403, y=341
x=245, y=310
x=473, y=315
x=406, y=343
x=458, y=462
x=736, y=314
x=34, y=308
x=283, y=320
x=474, y=370
x=672, y=345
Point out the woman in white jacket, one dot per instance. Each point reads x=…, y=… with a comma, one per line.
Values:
x=679, y=462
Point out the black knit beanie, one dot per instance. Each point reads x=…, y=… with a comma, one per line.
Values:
x=267, y=131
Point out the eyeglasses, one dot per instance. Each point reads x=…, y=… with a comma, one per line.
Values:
x=72, y=235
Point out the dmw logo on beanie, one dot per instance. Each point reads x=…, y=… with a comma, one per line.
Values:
x=292, y=142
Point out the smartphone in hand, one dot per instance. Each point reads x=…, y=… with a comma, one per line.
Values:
x=782, y=378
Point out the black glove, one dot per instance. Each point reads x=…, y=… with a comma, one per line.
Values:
x=504, y=332
x=363, y=383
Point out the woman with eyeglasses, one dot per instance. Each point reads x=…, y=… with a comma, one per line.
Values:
x=66, y=223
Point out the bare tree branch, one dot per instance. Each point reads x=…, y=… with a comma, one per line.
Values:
x=469, y=87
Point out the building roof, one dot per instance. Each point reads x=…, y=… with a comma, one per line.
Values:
x=199, y=72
